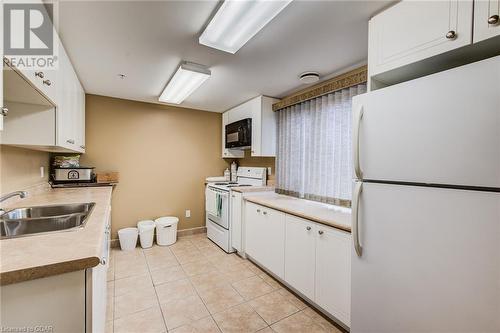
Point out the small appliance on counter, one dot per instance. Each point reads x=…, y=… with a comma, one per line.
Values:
x=234, y=171
x=66, y=171
x=73, y=174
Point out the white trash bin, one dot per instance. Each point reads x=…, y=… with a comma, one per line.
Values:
x=128, y=238
x=166, y=230
x=146, y=232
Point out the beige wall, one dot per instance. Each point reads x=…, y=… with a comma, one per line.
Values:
x=258, y=162
x=163, y=154
x=20, y=168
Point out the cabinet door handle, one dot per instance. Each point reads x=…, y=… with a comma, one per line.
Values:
x=83, y=147
x=5, y=111
x=265, y=213
x=39, y=74
x=308, y=228
x=358, y=187
x=258, y=210
x=493, y=19
x=321, y=232
x=70, y=141
x=233, y=196
x=47, y=82
x=451, y=35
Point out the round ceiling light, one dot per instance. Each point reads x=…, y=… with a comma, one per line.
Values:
x=309, y=77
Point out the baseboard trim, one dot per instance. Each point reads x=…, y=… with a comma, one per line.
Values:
x=192, y=231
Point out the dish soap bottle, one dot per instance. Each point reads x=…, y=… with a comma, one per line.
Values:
x=234, y=172
x=227, y=174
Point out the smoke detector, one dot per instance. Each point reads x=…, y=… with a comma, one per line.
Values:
x=309, y=77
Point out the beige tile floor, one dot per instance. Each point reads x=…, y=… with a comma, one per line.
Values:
x=194, y=286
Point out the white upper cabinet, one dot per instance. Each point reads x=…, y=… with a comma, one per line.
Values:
x=486, y=19
x=71, y=106
x=45, y=81
x=414, y=30
x=47, y=107
x=260, y=110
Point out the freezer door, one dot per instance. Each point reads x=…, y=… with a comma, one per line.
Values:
x=430, y=260
x=441, y=129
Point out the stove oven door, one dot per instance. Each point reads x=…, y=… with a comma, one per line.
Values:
x=220, y=212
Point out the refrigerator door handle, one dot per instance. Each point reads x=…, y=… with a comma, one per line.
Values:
x=358, y=187
x=357, y=125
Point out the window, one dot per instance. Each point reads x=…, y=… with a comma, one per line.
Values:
x=314, y=158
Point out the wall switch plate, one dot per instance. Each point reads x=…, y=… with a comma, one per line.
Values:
x=188, y=213
x=42, y=172
x=269, y=171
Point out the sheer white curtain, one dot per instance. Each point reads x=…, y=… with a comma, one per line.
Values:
x=314, y=148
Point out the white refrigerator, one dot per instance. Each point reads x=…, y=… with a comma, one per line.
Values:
x=426, y=204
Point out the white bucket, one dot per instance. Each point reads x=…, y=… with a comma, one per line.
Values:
x=166, y=230
x=146, y=232
x=128, y=238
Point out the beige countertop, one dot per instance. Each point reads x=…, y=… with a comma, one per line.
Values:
x=37, y=256
x=246, y=189
x=334, y=216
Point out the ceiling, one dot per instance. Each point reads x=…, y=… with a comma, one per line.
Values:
x=146, y=41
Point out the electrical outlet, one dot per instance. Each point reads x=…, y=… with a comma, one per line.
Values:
x=269, y=171
x=42, y=172
x=188, y=213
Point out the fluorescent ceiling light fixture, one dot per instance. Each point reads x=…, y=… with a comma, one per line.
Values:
x=188, y=77
x=237, y=21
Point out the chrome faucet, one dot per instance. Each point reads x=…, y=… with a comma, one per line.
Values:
x=21, y=194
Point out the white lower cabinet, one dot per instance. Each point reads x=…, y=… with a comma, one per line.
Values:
x=236, y=221
x=69, y=302
x=333, y=272
x=300, y=253
x=317, y=258
x=265, y=237
x=53, y=304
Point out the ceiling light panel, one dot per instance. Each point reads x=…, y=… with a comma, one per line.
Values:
x=237, y=21
x=188, y=77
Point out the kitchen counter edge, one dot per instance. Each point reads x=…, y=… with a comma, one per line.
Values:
x=271, y=202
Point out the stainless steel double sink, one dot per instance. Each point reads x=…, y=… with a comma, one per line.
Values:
x=28, y=221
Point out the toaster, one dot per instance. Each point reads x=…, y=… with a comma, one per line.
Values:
x=77, y=174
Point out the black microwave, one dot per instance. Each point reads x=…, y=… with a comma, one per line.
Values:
x=239, y=134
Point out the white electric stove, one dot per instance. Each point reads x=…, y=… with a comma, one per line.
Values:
x=217, y=204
